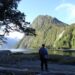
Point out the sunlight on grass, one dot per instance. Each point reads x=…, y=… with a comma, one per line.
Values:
x=57, y=52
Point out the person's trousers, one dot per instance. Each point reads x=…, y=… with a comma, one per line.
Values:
x=44, y=63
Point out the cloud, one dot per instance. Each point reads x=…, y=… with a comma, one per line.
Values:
x=68, y=8
x=15, y=35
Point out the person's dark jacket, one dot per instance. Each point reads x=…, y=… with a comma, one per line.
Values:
x=43, y=53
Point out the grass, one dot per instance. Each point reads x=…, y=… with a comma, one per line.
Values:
x=55, y=56
x=15, y=58
x=63, y=52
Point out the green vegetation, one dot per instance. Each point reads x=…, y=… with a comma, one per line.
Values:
x=52, y=32
x=68, y=39
x=17, y=58
x=47, y=31
x=9, y=14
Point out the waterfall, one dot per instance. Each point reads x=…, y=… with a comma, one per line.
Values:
x=58, y=37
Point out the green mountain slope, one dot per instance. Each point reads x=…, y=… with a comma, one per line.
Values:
x=48, y=30
x=68, y=39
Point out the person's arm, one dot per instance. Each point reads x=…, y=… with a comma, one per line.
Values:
x=46, y=51
x=39, y=52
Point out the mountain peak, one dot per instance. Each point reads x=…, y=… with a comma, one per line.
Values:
x=56, y=21
x=43, y=20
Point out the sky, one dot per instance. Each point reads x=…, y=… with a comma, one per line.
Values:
x=12, y=39
x=15, y=35
x=64, y=10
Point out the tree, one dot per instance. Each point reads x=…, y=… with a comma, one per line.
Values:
x=12, y=19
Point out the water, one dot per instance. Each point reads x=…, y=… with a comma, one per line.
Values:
x=26, y=50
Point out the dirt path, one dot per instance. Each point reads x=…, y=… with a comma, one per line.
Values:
x=54, y=69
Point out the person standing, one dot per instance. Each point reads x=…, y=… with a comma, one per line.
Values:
x=43, y=57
